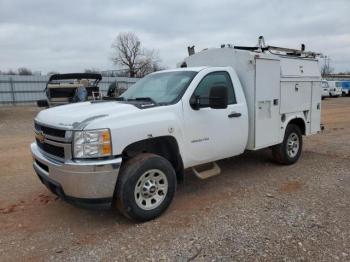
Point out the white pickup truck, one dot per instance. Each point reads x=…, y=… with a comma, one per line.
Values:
x=130, y=153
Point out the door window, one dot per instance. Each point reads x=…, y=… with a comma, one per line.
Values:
x=324, y=84
x=215, y=79
x=338, y=84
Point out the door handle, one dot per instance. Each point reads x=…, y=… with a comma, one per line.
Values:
x=234, y=114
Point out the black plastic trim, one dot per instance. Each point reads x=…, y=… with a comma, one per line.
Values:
x=75, y=76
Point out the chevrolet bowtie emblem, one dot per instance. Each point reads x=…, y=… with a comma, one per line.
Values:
x=40, y=136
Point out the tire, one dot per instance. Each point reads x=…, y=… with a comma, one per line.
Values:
x=283, y=153
x=145, y=188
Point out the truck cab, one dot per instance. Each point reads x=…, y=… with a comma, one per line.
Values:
x=130, y=152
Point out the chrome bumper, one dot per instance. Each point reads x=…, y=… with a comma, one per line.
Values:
x=85, y=179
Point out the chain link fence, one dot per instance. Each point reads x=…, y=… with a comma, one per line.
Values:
x=16, y=89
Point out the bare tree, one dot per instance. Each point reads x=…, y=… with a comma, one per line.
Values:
x=23, y=71
x=130, y=54
x=148, y=66
x=10, y=72
x=326, y=68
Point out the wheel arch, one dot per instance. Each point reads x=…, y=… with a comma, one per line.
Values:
x=165, y=146
x=300, y=122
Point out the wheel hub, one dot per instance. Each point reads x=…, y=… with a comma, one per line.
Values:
x=292, y=145
x=151, y=189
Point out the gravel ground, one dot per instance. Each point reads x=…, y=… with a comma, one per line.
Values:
x=254, y=211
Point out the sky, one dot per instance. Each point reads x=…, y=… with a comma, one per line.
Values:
x=70, y=36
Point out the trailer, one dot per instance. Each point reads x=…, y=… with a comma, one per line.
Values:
x=63, y=89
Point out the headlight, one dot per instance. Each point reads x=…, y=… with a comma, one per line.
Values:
x=92, y=143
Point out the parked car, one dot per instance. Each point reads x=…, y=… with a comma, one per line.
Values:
x=325, y=89
x=129, y=153
x=335, y=88
x=69, y=88
x=346, y=88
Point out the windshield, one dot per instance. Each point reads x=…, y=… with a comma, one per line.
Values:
x=338, y=84
x=162, y=88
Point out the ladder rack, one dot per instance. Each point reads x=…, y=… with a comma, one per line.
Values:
x=279, y=50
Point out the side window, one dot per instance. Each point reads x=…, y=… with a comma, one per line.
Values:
x=215, y=79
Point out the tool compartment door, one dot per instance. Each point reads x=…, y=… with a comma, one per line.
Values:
x=267, y=103
x=295, y=96
x=316, y=107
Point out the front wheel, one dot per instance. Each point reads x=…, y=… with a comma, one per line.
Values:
x=289, y=151
x=146, y=186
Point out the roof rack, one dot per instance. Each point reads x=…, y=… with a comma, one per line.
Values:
x=261, y=47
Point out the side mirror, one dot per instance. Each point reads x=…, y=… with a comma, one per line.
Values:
x=218, y=97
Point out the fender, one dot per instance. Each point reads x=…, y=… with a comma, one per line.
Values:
x=299, y=119
x=165, y=146
x=142, y=125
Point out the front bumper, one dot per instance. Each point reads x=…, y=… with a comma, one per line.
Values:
x=82, y=182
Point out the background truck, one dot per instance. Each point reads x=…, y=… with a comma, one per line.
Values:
x=346, y=88
x=325, y=89
x=130, y=152
x=335, y=88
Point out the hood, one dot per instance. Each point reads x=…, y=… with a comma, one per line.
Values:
x=79, y=115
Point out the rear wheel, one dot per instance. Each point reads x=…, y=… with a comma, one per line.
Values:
x=289, y=151
x=146, y=186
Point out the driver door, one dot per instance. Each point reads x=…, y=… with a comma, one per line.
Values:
x=212, y=134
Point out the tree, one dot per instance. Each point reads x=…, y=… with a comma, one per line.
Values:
x=148, y=66
x=23, y=71
x=10, y=72
x=130, y=54
x=326, y=68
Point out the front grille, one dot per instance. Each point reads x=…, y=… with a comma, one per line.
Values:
x=51, y=149
x=50, y=131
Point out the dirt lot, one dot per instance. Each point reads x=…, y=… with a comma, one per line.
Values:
x=254, y=211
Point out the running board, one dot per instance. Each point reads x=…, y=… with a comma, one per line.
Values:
x=207, y=170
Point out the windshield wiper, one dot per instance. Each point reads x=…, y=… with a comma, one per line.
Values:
x=108, y=98
x=148, y=99
x=119, y=98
